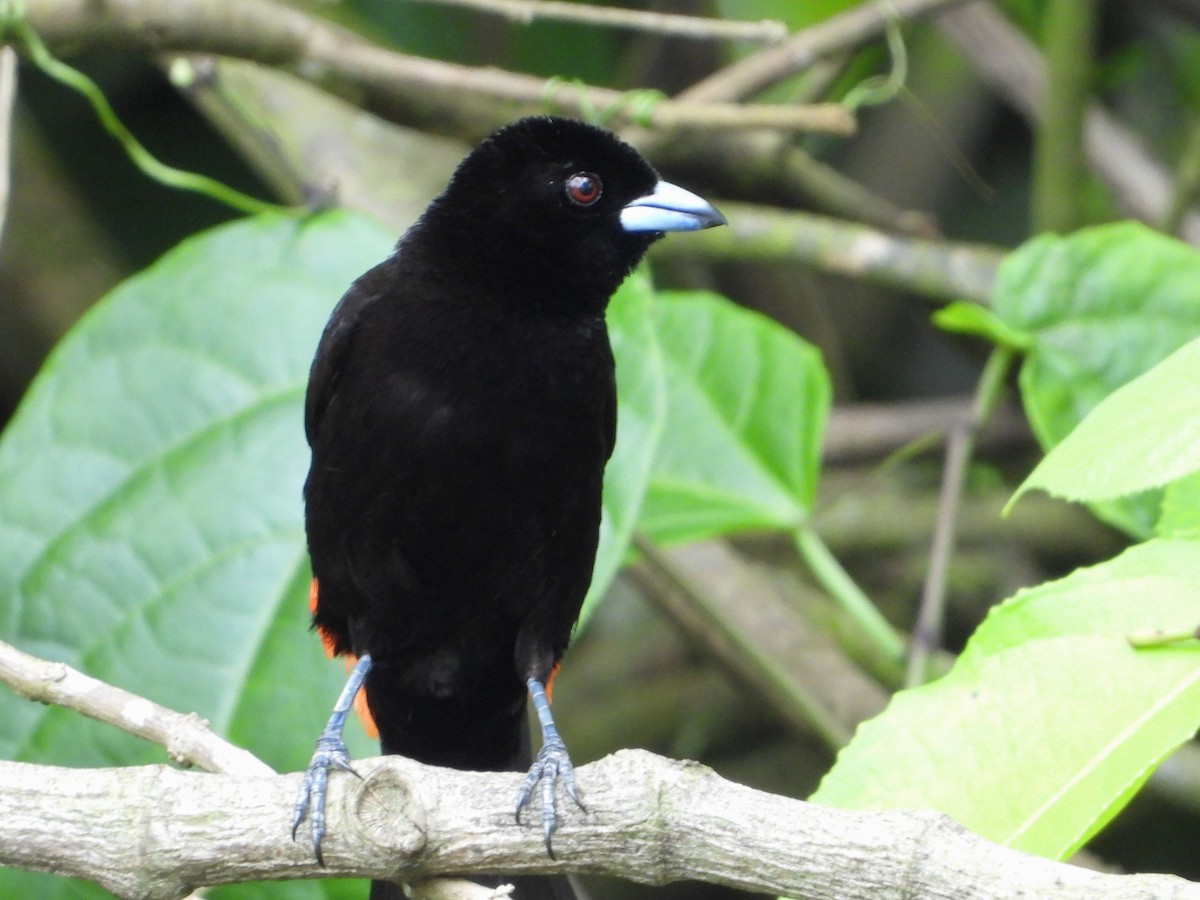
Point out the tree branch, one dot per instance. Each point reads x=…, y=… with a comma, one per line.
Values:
x=760, y=636
x=669, y=24
x=155, y=832
x=187, y=738
x=856, y=26
x=463, y=101
x=941, y=270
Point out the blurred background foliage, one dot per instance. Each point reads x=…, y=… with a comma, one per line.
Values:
x=950, y=159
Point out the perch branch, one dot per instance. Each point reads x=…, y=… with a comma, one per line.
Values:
x=154, y=832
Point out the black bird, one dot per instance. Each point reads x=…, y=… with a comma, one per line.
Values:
x=461, y=408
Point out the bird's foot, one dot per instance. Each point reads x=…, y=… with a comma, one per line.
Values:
x=551, y=766
x=331, y=753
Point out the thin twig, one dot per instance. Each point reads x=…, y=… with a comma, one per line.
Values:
x=669, y=24
x=839, y=195
x=927, y=629
x=927, y=632
x=871, y=432
x=170, y=176
x=187, y=738
x=846, y=593
x=852, y=28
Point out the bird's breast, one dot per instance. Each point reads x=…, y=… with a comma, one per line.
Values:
x=518, y=392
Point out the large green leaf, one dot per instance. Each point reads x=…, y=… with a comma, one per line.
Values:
x=151, y=493
x=1050, y=720
x=746, y=407
x=151, y=479
x=1143, y=435
x=1181, y=508
x=150, y=483
x=1095, y=310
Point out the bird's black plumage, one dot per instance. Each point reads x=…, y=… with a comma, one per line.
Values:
x=460, y=410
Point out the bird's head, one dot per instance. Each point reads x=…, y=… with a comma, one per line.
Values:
x=559, y=208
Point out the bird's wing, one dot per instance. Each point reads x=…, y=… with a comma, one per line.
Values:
x=610, y=418
x=335, y=343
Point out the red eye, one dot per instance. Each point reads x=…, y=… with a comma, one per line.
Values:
x=584, y=188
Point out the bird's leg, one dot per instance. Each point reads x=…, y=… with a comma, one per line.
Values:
x=331, y=752
x=552, y=765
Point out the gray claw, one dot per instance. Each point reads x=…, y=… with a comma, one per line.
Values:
x=331, y=753
x=551, y=766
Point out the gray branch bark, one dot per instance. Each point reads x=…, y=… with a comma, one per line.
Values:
x=157, y=833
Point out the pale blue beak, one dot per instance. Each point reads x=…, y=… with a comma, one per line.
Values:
x=669, y=208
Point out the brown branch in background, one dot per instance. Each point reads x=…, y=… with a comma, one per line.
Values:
x=187, y=738
x=771, y=162
x=446, y=98
x=761, y=164
x=278, y=121
x=760, y=636
x=960, y=446
x=856, y=26
x=1012, y=65
x=870, y=432
x=940, y=270
x=926, y=638
x=526, y=12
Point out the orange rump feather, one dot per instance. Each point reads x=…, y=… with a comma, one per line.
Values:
x=327, y=642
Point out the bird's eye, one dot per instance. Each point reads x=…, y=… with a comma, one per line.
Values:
x=583, y=188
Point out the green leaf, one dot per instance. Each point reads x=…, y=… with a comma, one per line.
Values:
x=1181, y=508
x=746, y=406
x=971, y=318
x=1143, y=435
x=151, y=487
x=1049, y=721
x=640, y=419
x=150, y=483
x=1101, y=307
